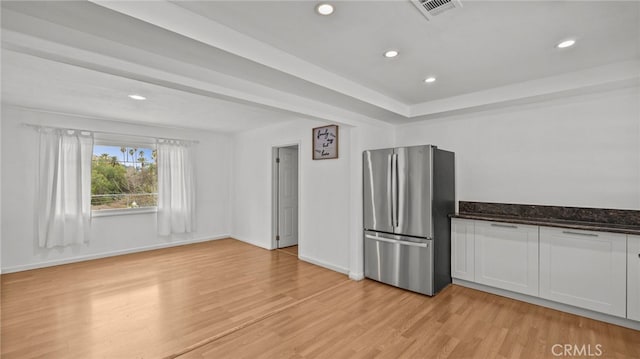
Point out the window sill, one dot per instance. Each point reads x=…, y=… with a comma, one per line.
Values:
x=123, y=211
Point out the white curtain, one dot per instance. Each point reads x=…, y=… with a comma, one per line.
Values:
x=176, y=187
x=64, y=187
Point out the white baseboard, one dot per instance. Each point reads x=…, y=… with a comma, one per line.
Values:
x=324, y=264
x=82, y=258
x=253, y=243
x=356, y=276
x=623, y=322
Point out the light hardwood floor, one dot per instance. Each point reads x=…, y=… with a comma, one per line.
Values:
x=227, y=299
x=293, y=250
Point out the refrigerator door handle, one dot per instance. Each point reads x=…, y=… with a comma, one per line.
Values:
x=390, y=187
x=394, y=190
x=401, y=189
x=403, y=243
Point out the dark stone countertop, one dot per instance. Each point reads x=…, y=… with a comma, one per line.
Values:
x=587, y=226
x=590, y=219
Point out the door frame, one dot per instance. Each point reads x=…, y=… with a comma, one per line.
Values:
x=274, y=190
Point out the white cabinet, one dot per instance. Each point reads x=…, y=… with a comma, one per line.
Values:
x=583, y=268
x=598, y=271
x=633, y=277
x=506, y=256
x=462, y=249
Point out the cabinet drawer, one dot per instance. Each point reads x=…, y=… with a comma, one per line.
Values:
x=583, y=268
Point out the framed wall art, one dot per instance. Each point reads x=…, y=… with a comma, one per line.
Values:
x=325, y=142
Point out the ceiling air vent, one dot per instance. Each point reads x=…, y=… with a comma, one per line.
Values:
x=431, y=8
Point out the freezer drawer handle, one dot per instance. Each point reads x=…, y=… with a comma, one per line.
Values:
x=580, y=233
x=404, y=243
x=503, y=225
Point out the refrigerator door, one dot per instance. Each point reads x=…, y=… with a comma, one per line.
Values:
x=399, y=261
x=415, y=183
x=378, y=190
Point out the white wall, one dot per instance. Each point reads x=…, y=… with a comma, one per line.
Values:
x=324, y=220
x=109, y=235
x=573, y=151
x=330, y=191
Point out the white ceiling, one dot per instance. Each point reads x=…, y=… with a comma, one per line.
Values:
x=484, y=44
x=34, y=82
x=236, y=65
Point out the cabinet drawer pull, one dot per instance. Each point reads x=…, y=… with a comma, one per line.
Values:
x=503, y=225
x=580, y=233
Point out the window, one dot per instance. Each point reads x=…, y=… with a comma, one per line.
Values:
x=123, y=177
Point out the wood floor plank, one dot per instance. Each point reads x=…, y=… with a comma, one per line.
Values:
x=293, y=250
x=228, y=299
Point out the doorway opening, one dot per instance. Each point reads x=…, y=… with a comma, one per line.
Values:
x=285, y=199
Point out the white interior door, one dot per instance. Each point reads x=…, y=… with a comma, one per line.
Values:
x=288, y=196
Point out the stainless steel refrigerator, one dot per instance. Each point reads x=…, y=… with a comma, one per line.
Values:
x=408, y=194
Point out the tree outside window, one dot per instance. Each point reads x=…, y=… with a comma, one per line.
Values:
x=123, y=177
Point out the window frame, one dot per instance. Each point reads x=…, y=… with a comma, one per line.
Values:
x=126, y=141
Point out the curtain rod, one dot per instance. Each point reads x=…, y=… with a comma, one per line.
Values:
x=110, y=133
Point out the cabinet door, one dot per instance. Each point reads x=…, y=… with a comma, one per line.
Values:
x=462, y=249
x=506, y=256
x=583, y=268
x=633, y=277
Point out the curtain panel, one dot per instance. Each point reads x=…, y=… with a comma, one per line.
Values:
x=176, y=187
x=64, y=187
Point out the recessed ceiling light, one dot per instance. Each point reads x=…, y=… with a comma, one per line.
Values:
x=324, y=9
x=566, y=43
x=137, y=97
x=430, y=79
x=391, y=53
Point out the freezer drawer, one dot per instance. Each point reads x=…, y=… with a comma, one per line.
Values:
x=403, y=262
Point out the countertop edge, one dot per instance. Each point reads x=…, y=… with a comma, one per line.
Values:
x=587, y=226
